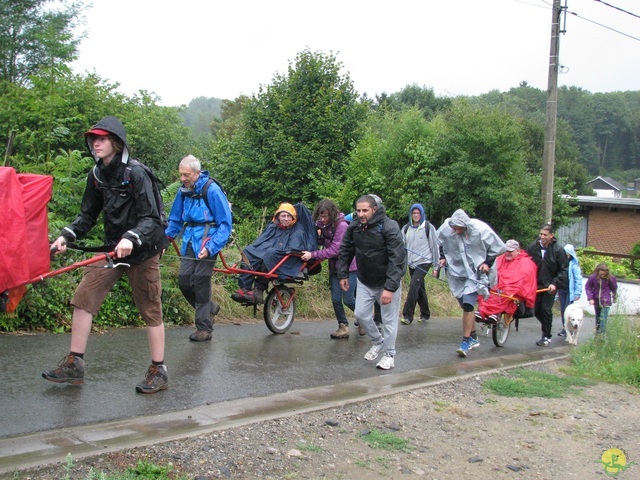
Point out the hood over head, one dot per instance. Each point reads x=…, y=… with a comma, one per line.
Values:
x=423, y=217
x=570, y=249
x=290, y=209
x=459, y=219
x=106, y=126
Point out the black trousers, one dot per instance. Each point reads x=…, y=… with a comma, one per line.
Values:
x=417, y=293
x=194, y=280
x=544, y=311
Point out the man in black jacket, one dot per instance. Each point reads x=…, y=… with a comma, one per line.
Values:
x=553, y=265
x=377, y=243
x=122, y=191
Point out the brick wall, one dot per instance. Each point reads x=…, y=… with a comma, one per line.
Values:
x=613, y=231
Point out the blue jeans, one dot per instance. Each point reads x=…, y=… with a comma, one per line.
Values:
x=602, y=314
x=339, y=298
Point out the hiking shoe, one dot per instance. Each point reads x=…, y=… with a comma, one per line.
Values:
x=70, y=370
x=562, y=333
x=361, y=331
x=238, y=296
x=254, y=297
x=463, y=349
x=155, y=380
x=200, y=336
x=215, y=310
x=386, y=363
x=424, y=318
x=406, y=320
x=544, y=342
x=342, y=332
x=373, y=352
x=473, y=343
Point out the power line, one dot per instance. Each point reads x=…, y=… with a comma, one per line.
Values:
x=618, y=8
x=589, y=20
x=604, y=26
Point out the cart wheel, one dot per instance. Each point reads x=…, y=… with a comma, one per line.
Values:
x=277, y=315
x=500, y=331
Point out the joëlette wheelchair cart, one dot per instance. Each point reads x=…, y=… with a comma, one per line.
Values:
x=501, y=326
x=280, y=305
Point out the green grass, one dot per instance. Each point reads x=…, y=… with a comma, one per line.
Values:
x=142, y=471
x=522, y=382
x=385, y=441
x=309, y=447
x=613, y=357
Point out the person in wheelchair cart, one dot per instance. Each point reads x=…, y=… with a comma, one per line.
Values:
x=292, y=230
x=515, y=292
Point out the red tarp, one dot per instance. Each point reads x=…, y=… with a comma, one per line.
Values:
x=24, y=241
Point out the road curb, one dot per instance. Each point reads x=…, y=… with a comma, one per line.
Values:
x=50, y=447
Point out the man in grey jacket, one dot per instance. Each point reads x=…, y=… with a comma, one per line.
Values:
x=376, y=242
x=468, y=249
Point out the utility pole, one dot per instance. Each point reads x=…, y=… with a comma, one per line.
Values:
x=549, y=152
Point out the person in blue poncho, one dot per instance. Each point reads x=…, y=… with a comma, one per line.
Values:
x=291, y=230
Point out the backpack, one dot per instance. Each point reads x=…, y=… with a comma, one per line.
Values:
x=203, y=194
x=426, y=229
x=157, y=196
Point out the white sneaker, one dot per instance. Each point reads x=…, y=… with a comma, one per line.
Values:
x=373, y=352
x=386, y=363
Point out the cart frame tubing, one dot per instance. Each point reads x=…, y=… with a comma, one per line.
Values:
x=73, y=266
x=500, y=329
x=272, y=276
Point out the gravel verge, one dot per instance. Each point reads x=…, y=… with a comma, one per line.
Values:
x=452, y=430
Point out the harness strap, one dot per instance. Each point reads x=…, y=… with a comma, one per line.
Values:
x=207, y=226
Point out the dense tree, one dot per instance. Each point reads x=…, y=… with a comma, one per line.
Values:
x=34, y=36
x=295, y=134
x=414, y=96
x=383, y=162
x=48, y=119
x=466, y=157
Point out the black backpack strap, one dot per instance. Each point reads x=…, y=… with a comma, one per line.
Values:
x=205, y=189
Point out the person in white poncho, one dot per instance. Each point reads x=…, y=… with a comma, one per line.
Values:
x=468, y=249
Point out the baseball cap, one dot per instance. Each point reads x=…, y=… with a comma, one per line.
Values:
x=512, y=245
x=96, y=131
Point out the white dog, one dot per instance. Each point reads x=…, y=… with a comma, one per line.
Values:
x=573, y=317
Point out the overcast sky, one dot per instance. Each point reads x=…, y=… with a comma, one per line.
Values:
x=184, y=49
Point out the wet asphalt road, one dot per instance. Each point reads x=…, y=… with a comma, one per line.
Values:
x=242, y=361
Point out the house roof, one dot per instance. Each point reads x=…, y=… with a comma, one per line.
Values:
x=608, y=181
x=602, y=202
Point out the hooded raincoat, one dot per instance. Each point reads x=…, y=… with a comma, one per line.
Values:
x=517, y=278
x=575, y=274
x=201, y=222
x=275, y=242
x=466, y=252
x=129, y=210
x=421, y=241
